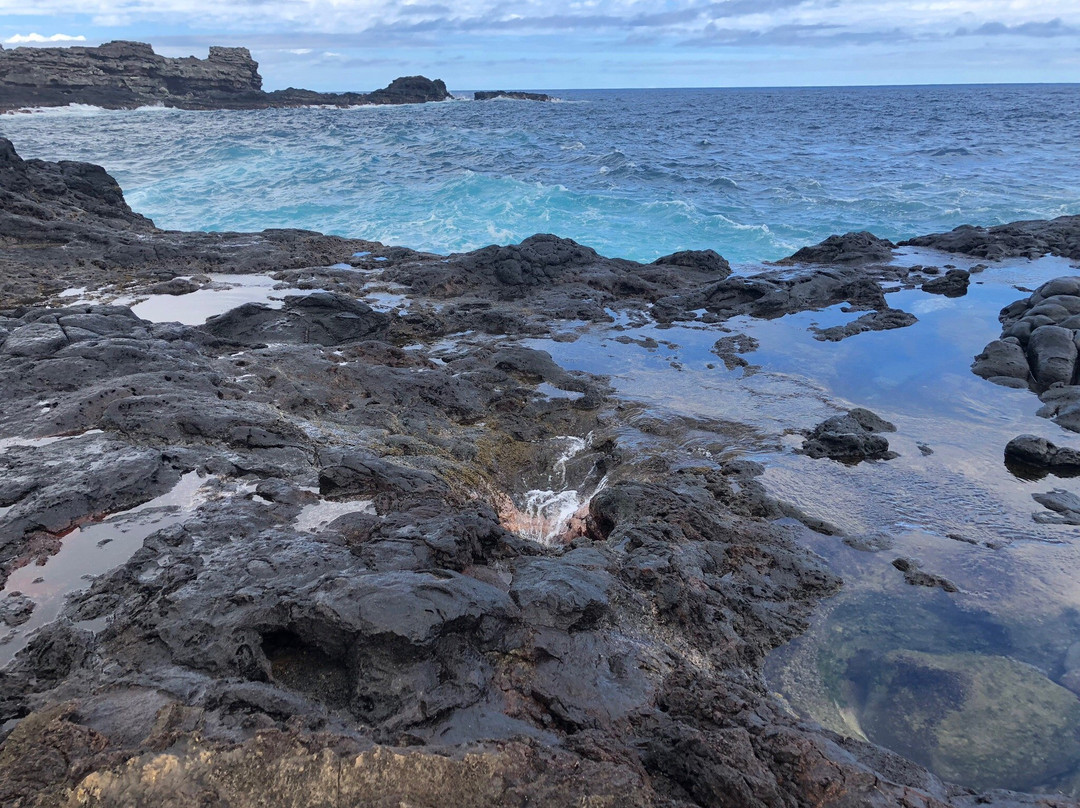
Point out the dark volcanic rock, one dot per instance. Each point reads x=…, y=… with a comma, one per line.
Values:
x=321, y=318
x=572, y=281
x=410, y=90
x=1039, y=453
x=489, y=95
x=120, y=75
x=850, y=248
x=883, y=320
x=128, y=74
x=953, y=283
x=1003, y=362
x=66, y=225
x=1040, y=345
x=916, y=576
x=703, y=260
x=1052, y=354
x=850, y=438
x=1032, y=239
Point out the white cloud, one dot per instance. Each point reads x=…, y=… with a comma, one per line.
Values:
x=405, y=23
x=23, y=39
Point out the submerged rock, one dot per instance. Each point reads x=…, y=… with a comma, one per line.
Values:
x=850, y=438
x=883, y=320
x=1064, y=508
x=982, y=721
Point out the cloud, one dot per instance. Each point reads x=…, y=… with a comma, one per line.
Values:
x=1055, y=27
x=25, y=39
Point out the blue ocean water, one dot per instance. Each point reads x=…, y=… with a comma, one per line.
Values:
x=752, y=173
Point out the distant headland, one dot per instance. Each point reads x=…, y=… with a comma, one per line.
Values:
x=124, y=75
x=491, y=95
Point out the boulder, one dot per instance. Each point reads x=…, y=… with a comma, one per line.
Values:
x=1052, y=354
x=953, y=283
x=850, y=248
x=850, y=438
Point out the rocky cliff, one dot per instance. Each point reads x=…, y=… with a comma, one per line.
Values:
x=119, y=75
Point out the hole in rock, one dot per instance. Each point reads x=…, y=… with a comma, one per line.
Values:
x=306, y=668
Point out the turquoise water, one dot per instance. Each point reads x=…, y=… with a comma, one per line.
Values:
x=754, y=174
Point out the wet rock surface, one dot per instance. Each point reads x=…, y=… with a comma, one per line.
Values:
x=1032, y=239
x=850, y=438
x=953, y=283
x=1032, y=453
x=351, y=611
x=850, y=248
x=1038, y=349
x=124, y=75
x=884, y=320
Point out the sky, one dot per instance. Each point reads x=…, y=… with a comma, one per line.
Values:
x=566, y=44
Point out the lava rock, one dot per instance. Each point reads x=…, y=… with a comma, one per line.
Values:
x=850, y=248
x=490, y=95
x=1039, y=453
x=953, y=283
x=703, y=260
x=1031, y=239
x=321, y=318
x=850, y=438
x=883, y=320
x=1052, y=355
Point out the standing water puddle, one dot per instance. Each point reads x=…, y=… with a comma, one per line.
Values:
x=89, y=551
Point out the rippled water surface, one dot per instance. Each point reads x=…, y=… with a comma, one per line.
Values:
x=754, y=174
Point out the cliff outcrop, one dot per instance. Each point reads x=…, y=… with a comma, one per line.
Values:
x=121, y=75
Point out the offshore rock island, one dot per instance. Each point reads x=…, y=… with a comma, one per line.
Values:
x=124, y=75
x=333, y=590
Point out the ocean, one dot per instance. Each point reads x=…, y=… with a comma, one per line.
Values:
x=752, y=173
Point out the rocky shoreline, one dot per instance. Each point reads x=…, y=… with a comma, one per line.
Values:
x=125, y=75
x=351, y=604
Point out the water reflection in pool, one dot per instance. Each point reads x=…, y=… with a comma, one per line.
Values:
x=979, y=685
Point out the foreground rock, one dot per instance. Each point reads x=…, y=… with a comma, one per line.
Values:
x=850, y=438
x=124, y=75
